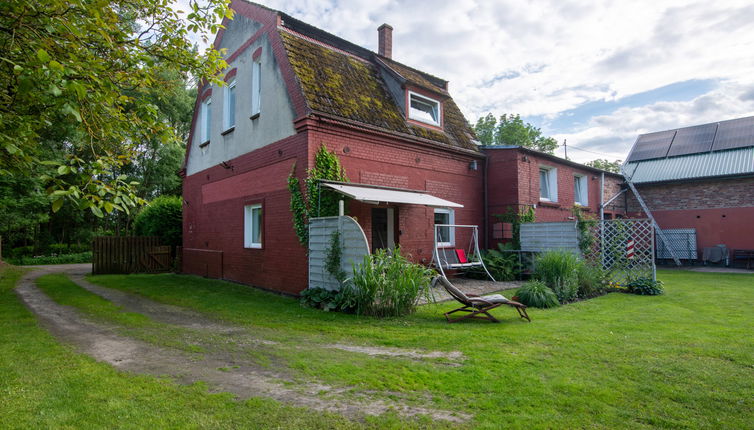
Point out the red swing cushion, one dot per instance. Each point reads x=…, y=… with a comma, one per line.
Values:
x=461, y=254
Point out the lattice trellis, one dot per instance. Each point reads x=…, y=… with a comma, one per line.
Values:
x=623, y=247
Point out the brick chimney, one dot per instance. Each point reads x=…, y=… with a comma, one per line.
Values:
x=385, y=40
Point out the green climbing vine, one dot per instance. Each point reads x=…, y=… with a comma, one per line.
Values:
x=516, y=218
x=585, y=225
x=333, y=258
x=314, y=201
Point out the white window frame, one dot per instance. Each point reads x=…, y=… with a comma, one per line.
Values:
x=229, y=121
x=256, y=88
x=580, y=182
x=206, y=120
x=451, y=231
x=552, y=182
x=427, y=100
x=248, y=226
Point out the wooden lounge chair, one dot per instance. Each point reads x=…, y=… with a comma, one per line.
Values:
x=475, y=306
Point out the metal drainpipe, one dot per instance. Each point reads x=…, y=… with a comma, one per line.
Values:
x=602, y=196
x=486, y=207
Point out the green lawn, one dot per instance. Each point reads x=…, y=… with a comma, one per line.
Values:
x=684, y=359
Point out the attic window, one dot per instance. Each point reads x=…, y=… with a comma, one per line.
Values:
x=423, y=109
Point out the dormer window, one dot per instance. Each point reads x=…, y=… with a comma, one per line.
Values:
x=423, y=109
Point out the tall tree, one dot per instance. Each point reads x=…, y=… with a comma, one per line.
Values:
x=512, y=130
x=605, y=164
x=78, y=65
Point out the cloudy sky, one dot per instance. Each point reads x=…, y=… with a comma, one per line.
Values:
x=596, y=73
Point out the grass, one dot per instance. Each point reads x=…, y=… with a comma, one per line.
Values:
x=680, y=360
x=44, y=384
x=683, y=359
x=81, y=257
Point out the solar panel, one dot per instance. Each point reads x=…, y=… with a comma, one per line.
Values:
x=736, y=133
x=693, y=140
x=652, y=145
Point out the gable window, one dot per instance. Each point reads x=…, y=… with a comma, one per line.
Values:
x=580, y=196
x=256, y=88
x=206, y=120
x=252, y=226
x=230, y=105
x=548, y=184
x=445, y=235
x=423, y=109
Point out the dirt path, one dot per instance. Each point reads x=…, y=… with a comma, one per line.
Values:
x=223, y=371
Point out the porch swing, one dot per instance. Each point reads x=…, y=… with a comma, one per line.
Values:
x=451, y=258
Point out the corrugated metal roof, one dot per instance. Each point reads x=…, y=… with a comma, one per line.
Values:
x=710, y=164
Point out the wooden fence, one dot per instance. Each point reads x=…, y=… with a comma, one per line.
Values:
x=130, y=254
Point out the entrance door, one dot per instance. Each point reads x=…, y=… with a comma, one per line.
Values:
x=383, y=228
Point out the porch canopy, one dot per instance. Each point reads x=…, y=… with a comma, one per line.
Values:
x=375, y=194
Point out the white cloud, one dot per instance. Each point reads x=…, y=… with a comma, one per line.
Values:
x=543, y=57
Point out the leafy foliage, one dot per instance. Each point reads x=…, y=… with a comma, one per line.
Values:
x=559, y=271
x=387, y=285
x=81, y=257
x=516, y=217
x=163, y=217
x=512, y=130
x=73, y=72
x=593, y=281
x=503, y=266
x=333, y=258
x=317, y=202
x=584, y=224
x=327, y=300
x=537, y=294
x=605, y=164
x=645, y=287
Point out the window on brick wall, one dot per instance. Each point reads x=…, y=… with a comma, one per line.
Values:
x=445, y=235
x=252, y=226
x=548, y=184
x=580, y=196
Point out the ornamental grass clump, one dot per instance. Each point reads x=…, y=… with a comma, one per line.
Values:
x=538, y=295
x=386, y=285
x=559, y=271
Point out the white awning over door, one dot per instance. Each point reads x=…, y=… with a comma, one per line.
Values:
x=376, y=195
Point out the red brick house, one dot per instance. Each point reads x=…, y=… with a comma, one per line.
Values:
x=519, y=177
x=699, y=177
x=292, y=88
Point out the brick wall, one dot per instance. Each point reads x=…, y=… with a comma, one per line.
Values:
x=514, y=182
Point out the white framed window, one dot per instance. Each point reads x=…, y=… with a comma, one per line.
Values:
x=423, y=109
x=252, y=226
x=206, y=120
x=229, y=116
x=548, y=184
x=580, y=194
x=256, y=87
x=446, y=236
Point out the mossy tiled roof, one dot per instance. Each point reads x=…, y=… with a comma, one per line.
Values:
x=349, y=87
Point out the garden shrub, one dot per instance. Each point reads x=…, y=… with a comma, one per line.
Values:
x=559, y=271
x=503, y=266
x=592, y=281
x=82, y=257
x=163, y=218
x=327, y=300
x=387, y=285
x=538, y=295
x=645, y=287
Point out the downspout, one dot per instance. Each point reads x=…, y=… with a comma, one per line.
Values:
x=486, y=206
x=602, y=196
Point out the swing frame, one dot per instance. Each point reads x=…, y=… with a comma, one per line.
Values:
x=473, y=251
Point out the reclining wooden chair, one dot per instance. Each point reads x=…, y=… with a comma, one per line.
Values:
x=477, y=307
